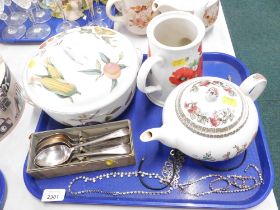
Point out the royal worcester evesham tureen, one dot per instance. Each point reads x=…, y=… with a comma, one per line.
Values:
x=83, y=75
x=209, y=118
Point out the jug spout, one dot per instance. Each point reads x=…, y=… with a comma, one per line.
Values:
x=161, y=134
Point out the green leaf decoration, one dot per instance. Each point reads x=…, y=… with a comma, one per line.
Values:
x=104, y=58
x=114, y=84
x=122, y=66
x=108, y=118
x=115, y=110
x=98, y=65
x=60, y=96
x=129, y=97
x=121, y=55
x=86, y=30
x=91, y=71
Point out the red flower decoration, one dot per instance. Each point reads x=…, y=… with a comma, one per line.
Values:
x=193, y=108
x=214, y=121
x=181, y=75
x=200, y=49
x=204, y=83
x=44, y=44
x=199, y=68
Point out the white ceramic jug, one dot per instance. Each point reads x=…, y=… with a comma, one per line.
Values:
x=206, y=10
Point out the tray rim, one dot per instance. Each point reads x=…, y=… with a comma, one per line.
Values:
x=3, y=189
x=193, y=204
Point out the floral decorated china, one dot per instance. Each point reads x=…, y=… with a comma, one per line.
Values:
x=175, y=54
x=209, y=118
x=135, y=15
x=83, y=75
x=206, y=10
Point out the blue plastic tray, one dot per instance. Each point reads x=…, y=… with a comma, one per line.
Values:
x=143, y=115
x=2, y=190
x=53, y=22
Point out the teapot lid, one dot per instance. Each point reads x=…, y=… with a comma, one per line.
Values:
x=211, y=107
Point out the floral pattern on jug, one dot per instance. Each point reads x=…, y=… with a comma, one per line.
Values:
x=211, y=15
x=190, y=69
x=140, y=15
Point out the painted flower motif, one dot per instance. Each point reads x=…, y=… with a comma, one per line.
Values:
x=44, y=44
x=139, y=22
x=112, y=70
x=140, y=15
x=199, y=67
x=181, y=75
x=205, y=83
x=211, y=15
x=214, y=121
x=192, y=107
x=208, y=157
x=226, y=156
x=199, y=49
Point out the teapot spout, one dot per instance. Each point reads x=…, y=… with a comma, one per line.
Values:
x=161, y=134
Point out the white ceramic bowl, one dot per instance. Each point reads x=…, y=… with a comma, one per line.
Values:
x=83, y=75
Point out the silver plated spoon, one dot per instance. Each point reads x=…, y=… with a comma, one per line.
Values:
x=63, y=138
x=53, y=155
x=59, y=154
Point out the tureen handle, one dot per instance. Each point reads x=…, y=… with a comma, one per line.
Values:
x=254, y=85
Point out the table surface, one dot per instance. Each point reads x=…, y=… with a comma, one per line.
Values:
x=14, y=147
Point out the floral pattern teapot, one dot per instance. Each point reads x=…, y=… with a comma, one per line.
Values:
x=209, y=118
x=206, y=10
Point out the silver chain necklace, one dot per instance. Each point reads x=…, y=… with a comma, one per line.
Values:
x=170, y=176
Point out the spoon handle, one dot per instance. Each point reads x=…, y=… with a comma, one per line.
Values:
x=116, y=150
x=115, y=134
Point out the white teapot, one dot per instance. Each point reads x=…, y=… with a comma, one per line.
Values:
x=206, y=10
x=209, y=118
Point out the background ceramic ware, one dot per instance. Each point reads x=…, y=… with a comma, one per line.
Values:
x=206, y=10
x=82, y=76
x=136, y=14
x=11, y=101
x=209, y=118
x=175, y=54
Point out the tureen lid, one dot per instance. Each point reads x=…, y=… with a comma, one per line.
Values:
x=81, y=69
x=211, y=107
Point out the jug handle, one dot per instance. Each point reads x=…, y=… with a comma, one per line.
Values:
x=253, y=86
x=109, y=6
x=143, y=74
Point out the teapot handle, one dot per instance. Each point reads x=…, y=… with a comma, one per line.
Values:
x=253, y=86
